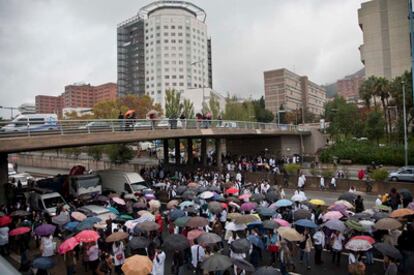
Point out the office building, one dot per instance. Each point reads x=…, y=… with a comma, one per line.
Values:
x=46, y=104
x=196, y=97
x=348, y=87
x=291, y=92
x=165, y=46
x=386, y=37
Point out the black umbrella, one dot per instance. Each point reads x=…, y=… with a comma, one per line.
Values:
x=406, y=194
x=388, y=250
x=201, y=189
x=257, y=198
x=138, y=242
x=301, y=214
x=176, y=213
x=348, y=196
x=266, y=270
x=214, y=189
x=188, y=195
x=243, y=265
x=209, y=238
x=176, y=242
x=181, y=189
x=233, y=199
x=272, y=196
x=43, y=263
x=217, y=262
x=361, y=216
x=240, y=246
x=379, y=215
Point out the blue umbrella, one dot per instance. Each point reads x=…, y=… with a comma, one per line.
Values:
x=255, y=240
x=176, y=214
x=71, y=226
x=43, y=263
x=84, y=225
x=306, y=223
x=92, y=220
x=283, y=203
x=256, y=224
x=267, y=212
x=113, y=210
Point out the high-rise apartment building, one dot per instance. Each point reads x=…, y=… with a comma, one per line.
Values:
x=165, y=46
x=293, y=92
x=386, y=36
x=348, y=87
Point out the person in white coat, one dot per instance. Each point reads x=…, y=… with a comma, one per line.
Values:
x=158, y=264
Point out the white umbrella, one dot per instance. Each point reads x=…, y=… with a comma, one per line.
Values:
x=207, y=195
x=232, y=226
x=358, y=245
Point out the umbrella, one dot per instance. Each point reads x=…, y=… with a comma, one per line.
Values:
x=338, y=207
x=138, y=242
x=181, y=221
x=188, y=195
x=289, y=234
x=172, y=204
x=306, y=223
x=411, y=205
x=346, y=203
x=148, y=226
x=283, y=203
x=19, y=213
x=358, y=245
x=361, y=216
x=192, y=185
x=248, y=206
x=348, y=196
x=216, y=262
x=209, y=238
x=282, y=222
x=67, y=245
x=154, y=204
x=384, y=208
x=102, y=198
x=332, y=215
x=194, y=234
x=118, y=200
x=246, y=219
x=336, y=225
x=181, y=189
x=113, y=210
x=232, y=191
x=317, y=202
x=159, y=185
x=365, y=238
x=176, y=242
x=126, y=217
x=61, y=219
x=272, y=196
x=129, y=113
x=233, y=215
x=232, y=226
x=380, y=215
x=92, y=220
x=215, y=207
x=266, y=212
x=367, y=225
x=406, y=194
x=355, y=225
x=388, y=250
x=266, y=270
x=270, y=224
x=301, y=214
x=240, y=246
x=402, y=212
x=387, y=224
x=71, y=226
x=84, y=226
x=45, y=230
x=153, y=114
x=139, y=205
x=78, y=216
x=116, y=236
x=197, y=222
x=233, y=199
x=207, y=195
x=243, y=265
x=257, y=198
x=137, y=265
x=87, y=236
x=245, y=196
x=5, y=220
x=43, y=263
x=298, y=197
x=175, y=214
x=256, y=241
x=149, y=196
x=19, y=231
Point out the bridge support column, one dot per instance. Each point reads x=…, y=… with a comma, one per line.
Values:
x=177, y=151
x=166, y=157
x=190, y=159
x=204, y=151
x=4, y=177
x=218, y=152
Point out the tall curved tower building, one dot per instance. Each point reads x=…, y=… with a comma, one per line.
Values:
x=165, y=46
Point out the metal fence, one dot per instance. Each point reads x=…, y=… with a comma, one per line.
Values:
x=63, y=127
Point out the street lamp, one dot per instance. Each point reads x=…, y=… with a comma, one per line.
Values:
x=202, y=71
x=405, y=126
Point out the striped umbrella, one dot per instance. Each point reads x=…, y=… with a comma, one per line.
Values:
x=355, y=225
x=358, y=245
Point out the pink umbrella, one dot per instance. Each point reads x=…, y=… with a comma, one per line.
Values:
x=78, y=216
x=19, y=231
x=194, y=234
x=87, y=236
x=282, y=222
x=245, y=196
x=248, y=206
x=118, y=201
x=332, y=215
x=68, y=245
x=365, y=238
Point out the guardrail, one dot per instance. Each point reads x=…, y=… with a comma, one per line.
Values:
x=64, y=127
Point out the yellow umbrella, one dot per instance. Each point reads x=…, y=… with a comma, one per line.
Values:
x=137, y=265
x=317, y=202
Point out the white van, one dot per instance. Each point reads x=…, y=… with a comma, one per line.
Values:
x=45, y=201
x=32, y=123
x=121, y=182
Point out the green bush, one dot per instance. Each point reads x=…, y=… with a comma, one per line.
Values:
x=379, y=174
x=292, y=168
x=327, y=173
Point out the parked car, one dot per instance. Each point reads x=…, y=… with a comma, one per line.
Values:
x=96, y=126
x=24, y=179
x=159, y=124
x=98, y=211
x=405, y=173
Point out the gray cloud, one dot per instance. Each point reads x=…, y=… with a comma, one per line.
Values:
x=45, y=45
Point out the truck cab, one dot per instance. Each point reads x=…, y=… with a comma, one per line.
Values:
x=46, y=201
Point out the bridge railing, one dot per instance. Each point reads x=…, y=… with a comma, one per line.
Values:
x=64, y=127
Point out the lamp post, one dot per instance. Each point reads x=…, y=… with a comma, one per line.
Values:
x=202, y=71
x=405, y=126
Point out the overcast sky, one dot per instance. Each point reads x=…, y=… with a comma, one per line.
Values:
x=47, y=44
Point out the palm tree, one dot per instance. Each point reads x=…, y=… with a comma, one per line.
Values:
x=366, y=91
x=382, y=90
x=188, y=109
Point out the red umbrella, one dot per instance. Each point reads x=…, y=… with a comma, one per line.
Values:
x=68, y=245
x=365, y=238
x=19, y=231
x=232, y=191
x=5, y=220
x=87, y=236
x=194, y=234
x=129, y=113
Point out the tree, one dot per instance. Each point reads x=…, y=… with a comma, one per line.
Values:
x=366, y=91
x=344, y=118
x=173, y=105
x=119, y=153
x=141, y=104
x=109, y=109
x=240, y=111
x=75, y=116
x=214, y=106
x=96, y=151
x=73, y=151
x=260, y=111
x=188, y=109
x=375, y=126
x=397, y=95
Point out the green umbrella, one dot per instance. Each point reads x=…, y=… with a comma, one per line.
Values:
x=355, y=225
x=126, y=217
x=181, y=221
x=384, y=208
